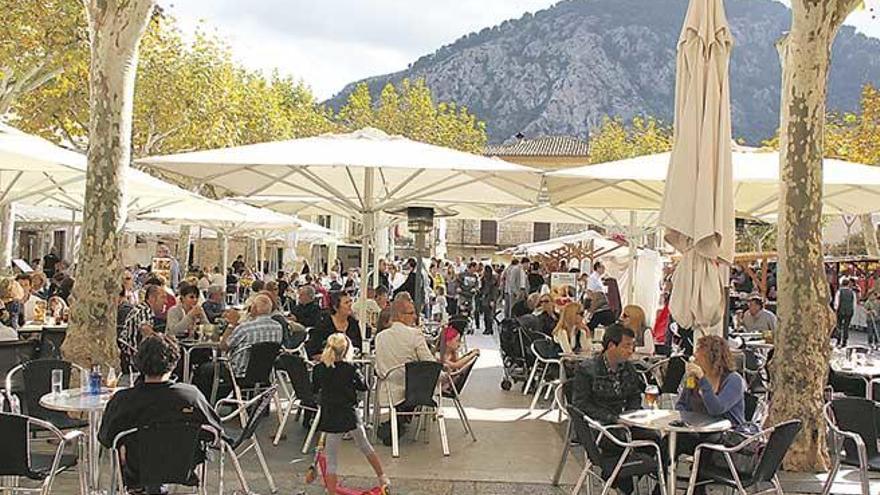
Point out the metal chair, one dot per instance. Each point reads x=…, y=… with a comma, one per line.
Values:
x=37, y=382
x=561, y=398
x=422, y=398
x=51, y=340
x=633, y=461
x=258, y=374
x=167, y=453
x=778, y=439
x=293, y=376
x=14, y=353
x=546, y=355
x=852, y=422
x=17, y=460
x=250, y=413
x=453, y=393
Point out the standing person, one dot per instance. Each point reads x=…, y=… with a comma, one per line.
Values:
x=872, y=306
x=49, y=262
x=536, y=280
x=451, y=290
x=238, y=265
x=515, y=285
x=163, y=251
x=594, y=283
x=283, y=285
x=337, y=383
x=489, y=296
x=844, y=304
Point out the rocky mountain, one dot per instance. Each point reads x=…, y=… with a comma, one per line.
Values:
x=560, y=70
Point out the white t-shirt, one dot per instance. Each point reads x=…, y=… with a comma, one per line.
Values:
x=594, y=283
x=7, y=333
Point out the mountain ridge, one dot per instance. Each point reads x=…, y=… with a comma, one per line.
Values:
x=562, y=69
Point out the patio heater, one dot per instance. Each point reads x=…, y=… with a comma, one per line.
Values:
x=420, y=222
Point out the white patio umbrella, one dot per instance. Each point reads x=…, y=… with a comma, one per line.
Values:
x=638, y=183
x=697, y=208
x=362, y=172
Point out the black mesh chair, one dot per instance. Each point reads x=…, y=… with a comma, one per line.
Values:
x=293, y=376
x=51, y=339
x=18, y=461
x=244, y=439
x=13, y=353
x=754, y=366
x=258, y=373
x=546, y=354
x=36, y=382
x=852, y=423
x=166, y=453
x=627, y=458
x=422, y=398
x=673, y=375
x=762, y=478
x=754, y=410
x=457, y=380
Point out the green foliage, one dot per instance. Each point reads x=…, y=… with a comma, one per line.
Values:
x=614, y=140
x=188, y=96
x=409, y=110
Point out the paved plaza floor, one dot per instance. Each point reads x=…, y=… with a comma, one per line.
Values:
x=516, y=453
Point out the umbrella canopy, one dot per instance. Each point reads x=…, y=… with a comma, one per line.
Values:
x=362, y=171
x=638, y=183
x=31, y=166
x=697, y=207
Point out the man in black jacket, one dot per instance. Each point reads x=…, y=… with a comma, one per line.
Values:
x=156, y=399
x=307, y=311
x=608, y=384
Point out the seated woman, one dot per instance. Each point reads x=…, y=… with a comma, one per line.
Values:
x=633, y=317
x=715, y=390
x=600, y=310
x=183, y=318
x=546, y=312
x=11, y=308
x=452, y=362
x=571, y=333
x=340, y=319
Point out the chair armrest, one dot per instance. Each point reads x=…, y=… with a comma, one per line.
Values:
x=73, y=435
x=736, y=448
x=384, y=376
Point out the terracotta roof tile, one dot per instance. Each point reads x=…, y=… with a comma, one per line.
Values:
x=542, y=146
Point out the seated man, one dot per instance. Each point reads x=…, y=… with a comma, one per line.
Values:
x=401, y=343
x=140, y=323
x=757, y=319
x=259, y=328
x=608, y=384
x=155, y=399
x=216, y=303
x=307, y=311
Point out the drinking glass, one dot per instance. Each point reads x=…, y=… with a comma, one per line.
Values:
x=57, y=381
x=652, y=395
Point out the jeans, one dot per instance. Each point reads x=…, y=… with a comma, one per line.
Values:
x=843, y=321
x=873, y=331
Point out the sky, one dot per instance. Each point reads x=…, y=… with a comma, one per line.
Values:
x=330, y=43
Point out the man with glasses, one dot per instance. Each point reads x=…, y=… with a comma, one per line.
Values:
x=546, y=314
x=399, y=344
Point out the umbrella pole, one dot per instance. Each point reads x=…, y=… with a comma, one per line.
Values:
x=369, y=217
x=633, y=257
x=7, y=233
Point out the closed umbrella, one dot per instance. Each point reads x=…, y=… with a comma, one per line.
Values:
x=697, y=206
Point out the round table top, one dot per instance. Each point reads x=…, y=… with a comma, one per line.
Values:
x=870, y=368
x=191, y=343
x=663, y=419
x=73, y=400
x=759, y=344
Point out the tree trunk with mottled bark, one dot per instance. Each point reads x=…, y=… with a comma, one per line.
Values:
x=7, y=236
x=182, y=253
x=115, y=29
x=800, y=363
x=870, y=235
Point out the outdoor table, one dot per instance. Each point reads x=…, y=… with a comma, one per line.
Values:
x=748, y=335
x=34, y=327
x=759, y=344
x=188, y=346
x=661, y=420
x=866, y=370
x=74, y=400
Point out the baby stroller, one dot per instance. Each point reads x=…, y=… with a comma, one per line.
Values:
x=320, y=464
x=516, y=342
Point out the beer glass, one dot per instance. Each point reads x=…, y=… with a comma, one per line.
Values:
x=652, y=396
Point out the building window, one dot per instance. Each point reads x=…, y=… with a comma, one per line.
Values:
x=541, y=232
x=323, y=221
x=488, y=232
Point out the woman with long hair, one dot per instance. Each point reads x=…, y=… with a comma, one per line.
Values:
x=339, y=320
x=633, y=317
x=338, y=382
x=571, y=332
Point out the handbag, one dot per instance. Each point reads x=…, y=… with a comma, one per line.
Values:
x=746, y=459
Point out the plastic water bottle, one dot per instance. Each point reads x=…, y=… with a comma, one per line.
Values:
x=95, y=380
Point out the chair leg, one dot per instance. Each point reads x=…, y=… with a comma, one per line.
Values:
x=537, y=395
x=395, y=447
x=238, y=471
x=563, y=457
x=441, y=422
x=528, y=385
x=283, y=421
x=777, y=485
x=835, y=467
x=580, y=481
x=312, y=430
x=465, y=420
x=265, y=467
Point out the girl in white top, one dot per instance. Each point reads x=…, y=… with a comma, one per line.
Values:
x=571, y=332
x=438, y=308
